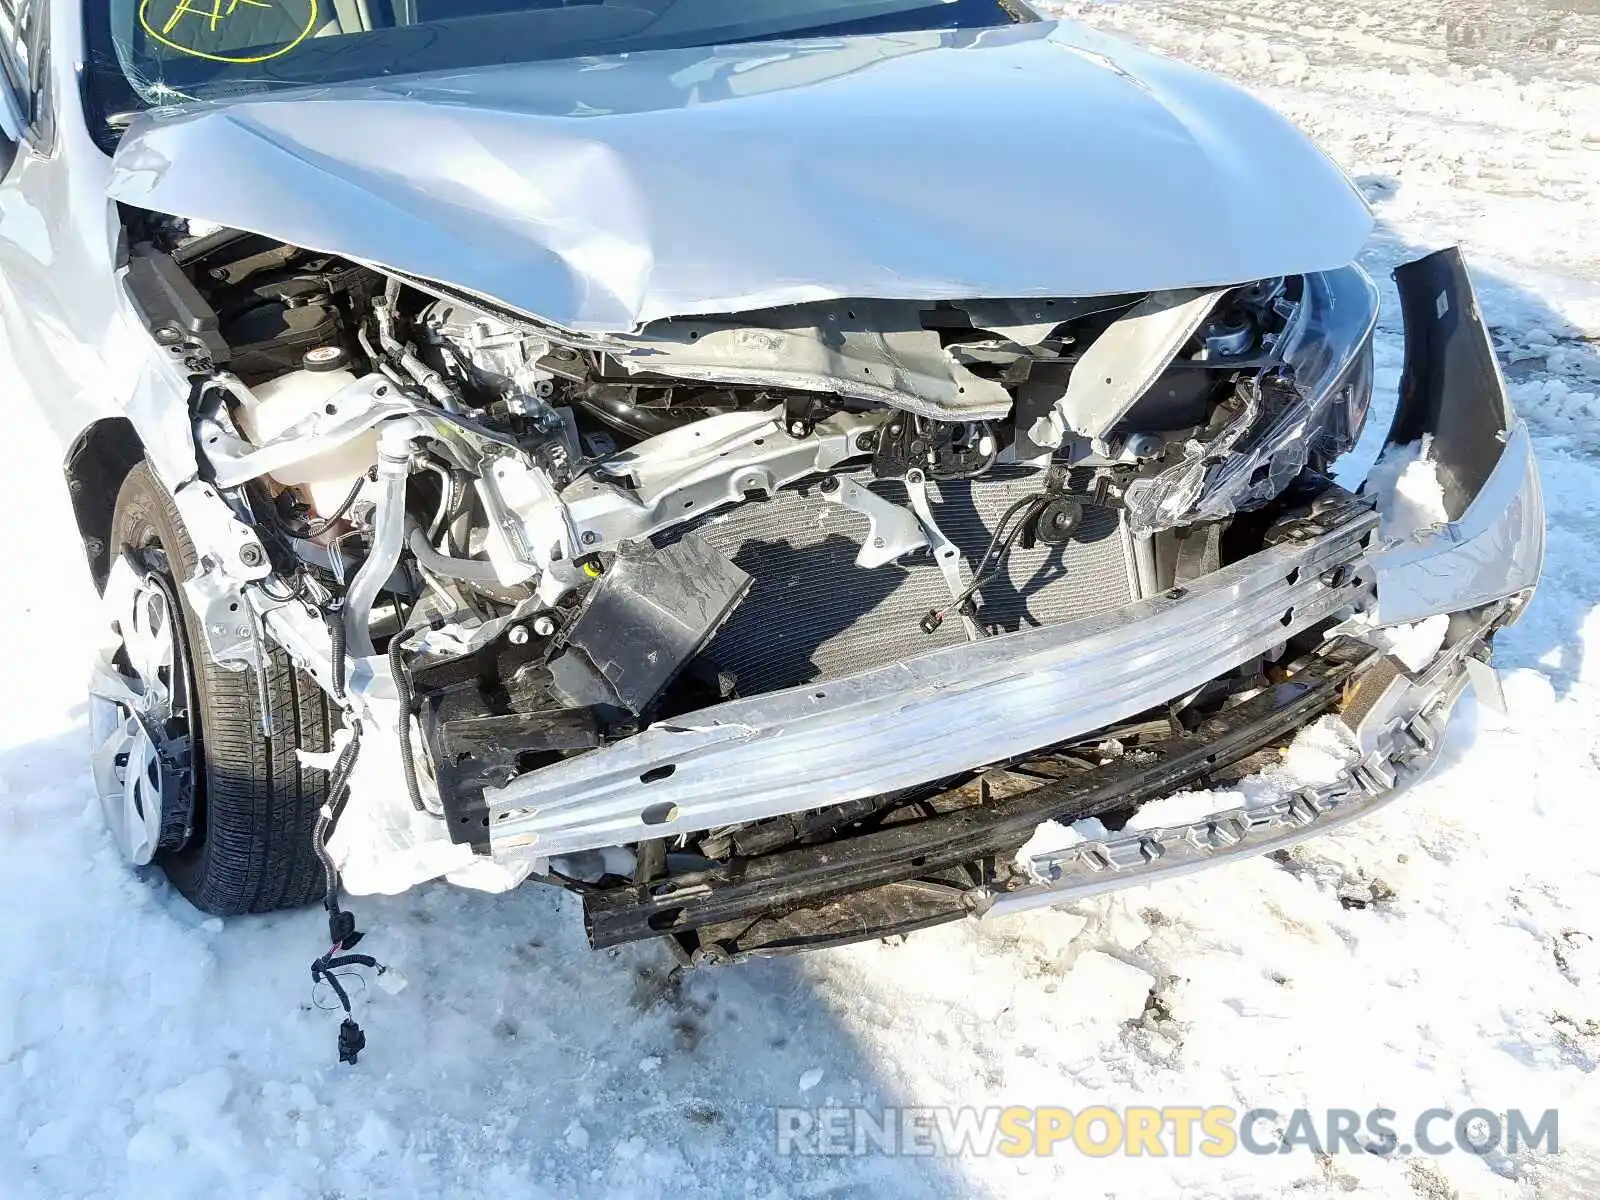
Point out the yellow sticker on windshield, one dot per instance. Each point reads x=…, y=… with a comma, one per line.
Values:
x=229, y=31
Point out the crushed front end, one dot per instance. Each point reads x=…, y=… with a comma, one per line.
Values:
x=770, y=630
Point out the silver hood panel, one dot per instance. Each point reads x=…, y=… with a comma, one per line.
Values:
x=600, y=194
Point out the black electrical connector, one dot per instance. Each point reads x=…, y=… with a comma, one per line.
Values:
x=352, y=1041
x=343, y=935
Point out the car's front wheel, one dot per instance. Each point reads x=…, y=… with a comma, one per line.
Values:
x=186, y=777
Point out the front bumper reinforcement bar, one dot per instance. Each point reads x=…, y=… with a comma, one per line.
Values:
x=904, y=724
x=769, y=903
x=776, y=882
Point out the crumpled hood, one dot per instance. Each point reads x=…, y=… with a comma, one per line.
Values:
x=1034, y=160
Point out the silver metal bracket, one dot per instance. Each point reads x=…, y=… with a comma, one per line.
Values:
x=891, y=530
x=945, y=552
x=679, y=476
x=230, y=555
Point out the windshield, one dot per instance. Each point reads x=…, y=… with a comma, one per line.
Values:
x=151, y=52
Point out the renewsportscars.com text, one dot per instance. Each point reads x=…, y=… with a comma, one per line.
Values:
x=1172, y=1130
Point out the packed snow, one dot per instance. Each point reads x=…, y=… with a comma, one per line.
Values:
x=1441, y=954
x=1405, y=480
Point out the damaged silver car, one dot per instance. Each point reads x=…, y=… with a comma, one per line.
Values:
x=750, y=463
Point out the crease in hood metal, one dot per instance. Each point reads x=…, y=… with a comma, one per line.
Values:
x=600, y=194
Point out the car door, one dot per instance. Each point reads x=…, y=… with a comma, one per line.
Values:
x=76, y=349
x=25, y=142
x=58, y=317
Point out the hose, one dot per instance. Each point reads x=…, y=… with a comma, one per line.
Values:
x=469, y=570
x=621, y=414
x=459, y=527
x=223, y=381
x=388, y=532
x=430, y=380
x=447, y=497
x=402, y=686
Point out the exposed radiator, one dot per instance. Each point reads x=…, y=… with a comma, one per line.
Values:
x=812, y=614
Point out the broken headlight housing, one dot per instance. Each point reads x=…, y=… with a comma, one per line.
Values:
x=1308, y=412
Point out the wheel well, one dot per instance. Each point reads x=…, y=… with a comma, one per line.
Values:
x=96, y=466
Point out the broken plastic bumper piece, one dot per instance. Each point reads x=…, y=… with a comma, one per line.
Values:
x=1401, y=734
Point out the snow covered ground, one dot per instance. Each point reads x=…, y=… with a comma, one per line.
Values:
x=144, y=1051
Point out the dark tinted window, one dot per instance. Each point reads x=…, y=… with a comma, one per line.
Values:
x=169, y=50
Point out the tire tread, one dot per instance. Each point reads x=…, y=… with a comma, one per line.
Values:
x=260, y=804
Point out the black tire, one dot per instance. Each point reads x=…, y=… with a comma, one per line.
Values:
x=255, y=806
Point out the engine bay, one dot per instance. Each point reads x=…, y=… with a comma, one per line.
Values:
x=553, y=541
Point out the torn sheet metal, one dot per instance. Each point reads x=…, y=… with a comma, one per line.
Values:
x=1039, y=159
x=1123, y=362
x=872, y=351
x=889, y=352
